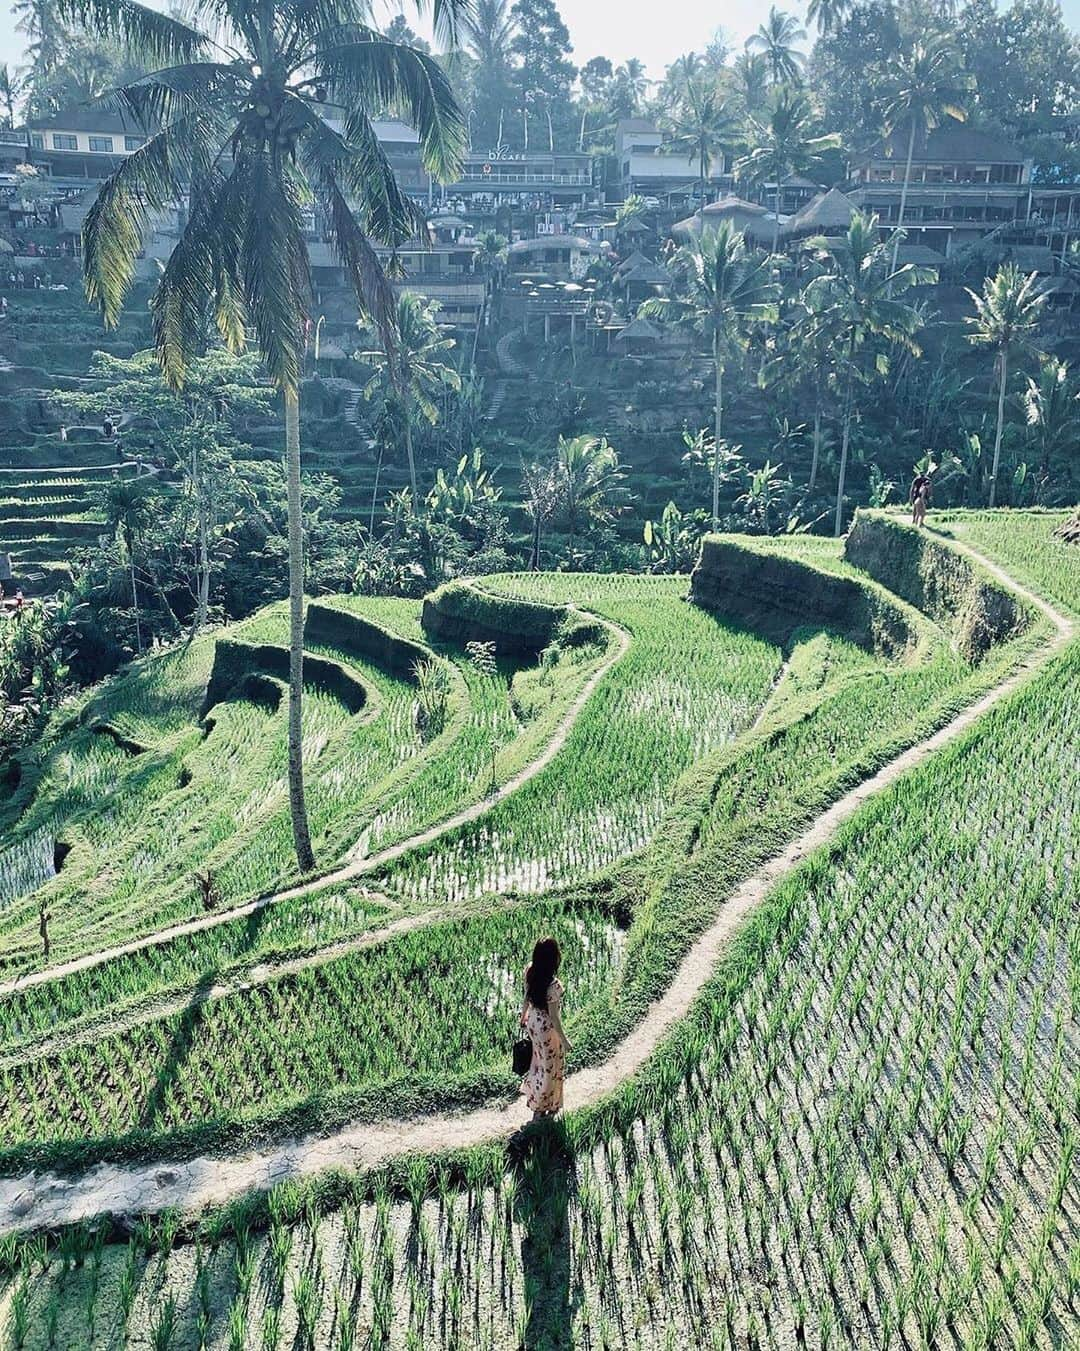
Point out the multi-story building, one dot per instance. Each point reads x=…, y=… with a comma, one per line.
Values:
x=966, y=187
x=648, y=168
x=83, y=141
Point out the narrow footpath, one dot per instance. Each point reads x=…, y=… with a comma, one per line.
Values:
x=40, y=1201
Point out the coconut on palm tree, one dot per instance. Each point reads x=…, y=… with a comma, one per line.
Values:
x=701, y=126
x=723, y=289
x=1006, y=319
x=853, y=295
x=776, y=39
x=234, y=124
x=785, y=144
x=922, y=90
x=415, y=368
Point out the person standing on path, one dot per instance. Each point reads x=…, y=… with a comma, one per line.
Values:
x=541, y=1018
x=920, y=498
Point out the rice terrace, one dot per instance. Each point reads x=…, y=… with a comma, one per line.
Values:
x=539, y=677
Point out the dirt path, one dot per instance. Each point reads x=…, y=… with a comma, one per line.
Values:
x=357, y=867
x=48, y=1200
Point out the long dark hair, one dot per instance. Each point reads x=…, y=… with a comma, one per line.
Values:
x=541, y=971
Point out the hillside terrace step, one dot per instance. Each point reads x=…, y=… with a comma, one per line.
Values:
x=46, y=529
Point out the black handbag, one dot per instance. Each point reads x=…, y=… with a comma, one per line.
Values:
x=522, y=1055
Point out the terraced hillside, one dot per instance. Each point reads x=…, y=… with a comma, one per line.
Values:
x=47, y=484
x=808, y=844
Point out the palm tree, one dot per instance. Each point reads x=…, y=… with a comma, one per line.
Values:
x=853, y=296
x=828, y=15
x=775, y=40
x=751, y=73
x=489, y=255
x=414, y=367
x=701, y=126
x=591, y=481
x=921, y=91
x=543, y=486
x=9, y=92
x=628, y=88
x=488, y=28
x=1052, y=408
x=1005, y=320
x=722, y=290
x=784, y=146
x=129, y=505
x=240, y=125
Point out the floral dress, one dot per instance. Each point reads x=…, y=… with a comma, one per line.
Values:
x=543, y=1084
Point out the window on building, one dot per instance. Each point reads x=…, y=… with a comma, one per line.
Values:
x=62, y=141
x=134, y=142
x=102, y=144
x=37, y=141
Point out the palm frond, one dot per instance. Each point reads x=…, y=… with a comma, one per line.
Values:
x=356, y=162
x=365, y=69
x=273, y=262
x=448, y=18
x=180, y=303
x=142, y=32
x=361, y=262
x=170, y=93
x=117, y=222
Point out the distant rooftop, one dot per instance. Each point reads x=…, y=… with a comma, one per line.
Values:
x=86, y=117
x=952, y=142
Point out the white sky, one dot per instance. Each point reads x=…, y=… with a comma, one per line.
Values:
x=653, y=30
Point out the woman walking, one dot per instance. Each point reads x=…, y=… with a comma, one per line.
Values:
x=540, y=1016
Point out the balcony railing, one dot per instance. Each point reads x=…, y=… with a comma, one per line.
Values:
x=529, y=178
x=12, y=137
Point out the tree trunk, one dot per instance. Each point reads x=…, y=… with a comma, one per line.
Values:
x=409, y=453
x=776, y=222
x=203, y=607
x=718, y=419
x=845, y=441
x=1000, y=426
x=297, y=806
x=202, y=602
x=135, y=598
x=375, y=490
x=534, y=559
x=903, y=197
x=817, y=436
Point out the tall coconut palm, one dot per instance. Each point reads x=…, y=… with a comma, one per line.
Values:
x=853, y=296
x=487, y=29
x=234, y=124
x=751, y=77
x=784, y=145
x=722, y=290
x=1006, y=320
x=701, y=126
x=775, y=40
x=922, y=90
x=415, y=368
x=828, y=15
x=628, y=88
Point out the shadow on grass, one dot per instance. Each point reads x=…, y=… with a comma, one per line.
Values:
x=544, y=1165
